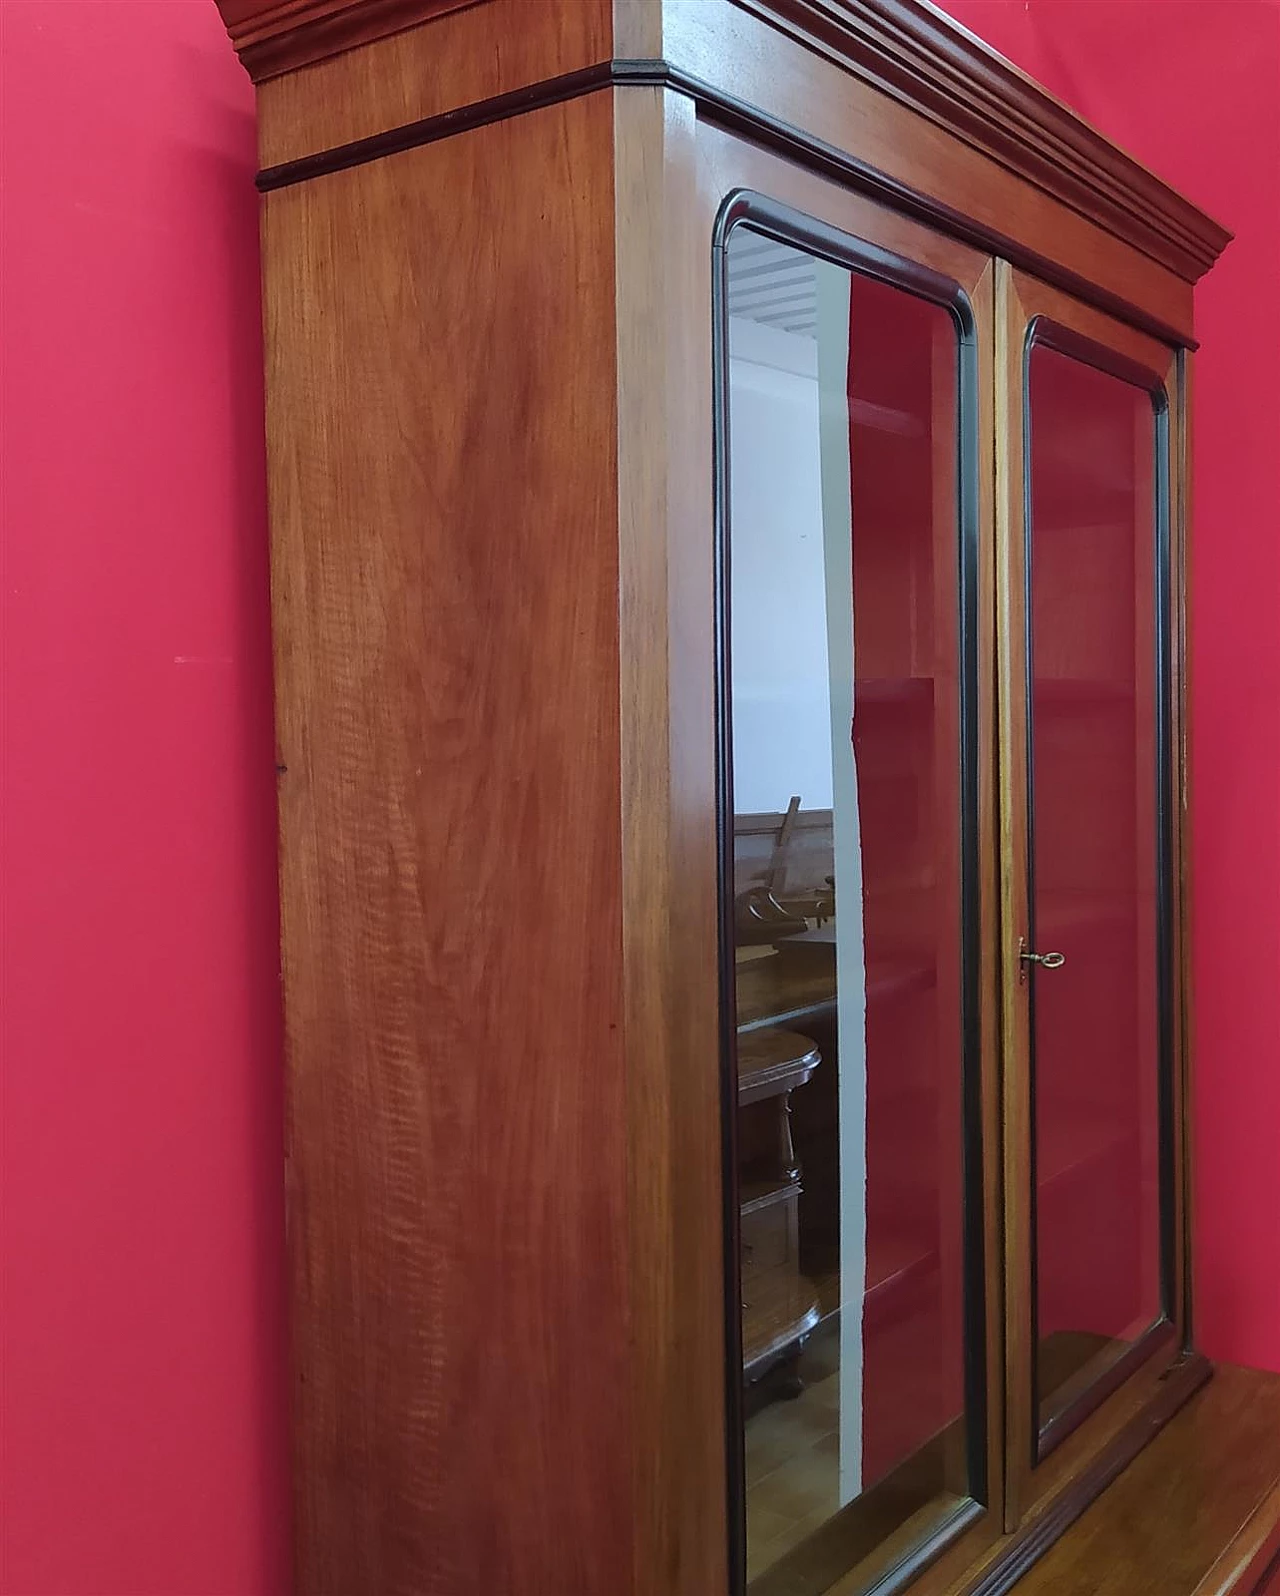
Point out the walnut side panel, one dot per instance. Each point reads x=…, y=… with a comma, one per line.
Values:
x=442, y=438
x=488, y=47
x=920, y=57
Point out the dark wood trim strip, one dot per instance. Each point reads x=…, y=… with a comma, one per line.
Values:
x=1027, y=1545
x=784, y=138
x=908, y=1569
x=737, y=116
x=943, y=72
x=430, y=129
x=1161, y=1336
x=906, y=49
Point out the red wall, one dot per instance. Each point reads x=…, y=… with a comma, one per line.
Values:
x=141, y=1432
x=1192, y=88
x=142, y=1405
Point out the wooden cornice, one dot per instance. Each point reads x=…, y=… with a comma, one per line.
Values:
x=276, y=36
x=913, y=51
x=904, y=48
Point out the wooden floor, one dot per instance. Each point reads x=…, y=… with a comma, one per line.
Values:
x=793, y=1461
x=1195, y=1514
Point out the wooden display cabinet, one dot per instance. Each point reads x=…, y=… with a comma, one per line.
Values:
x=675, y=406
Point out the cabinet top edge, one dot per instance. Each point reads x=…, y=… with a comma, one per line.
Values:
x=275, y=37
x=915, y=52
x=907, y=49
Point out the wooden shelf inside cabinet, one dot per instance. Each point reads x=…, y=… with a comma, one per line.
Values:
x=1067, y=693
x=1069, y=1146
x=895, y=1265
x=885, y=419
x=755, y=1195
x=773, y=991
x=797, y=982
x=892, y=692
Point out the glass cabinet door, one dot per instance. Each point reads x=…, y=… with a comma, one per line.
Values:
x=851, y=894
x=1095, y=1287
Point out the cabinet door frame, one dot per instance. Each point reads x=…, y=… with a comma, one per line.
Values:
x=740, y=182
x=1050, y=1472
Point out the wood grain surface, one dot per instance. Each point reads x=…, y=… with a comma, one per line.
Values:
x=275, y=36
x=1159, y=1529
x=486, y=48
x=669, y=908
x=992, y=205
x=442, y=441
x=912, y=51
x=1252, y=1558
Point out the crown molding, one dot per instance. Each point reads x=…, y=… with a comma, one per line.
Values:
x=914, y=52
x=906, y=49
x=273, y=37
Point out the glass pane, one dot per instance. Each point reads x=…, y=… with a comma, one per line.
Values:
x=844, y=544
x=1094, y=703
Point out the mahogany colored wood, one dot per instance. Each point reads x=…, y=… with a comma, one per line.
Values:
x=917, y=106
x=1252, y=1559
x=453, y=59
x=1147, y=1410
x=773, y=1061
x=1207, y=1482
x=912, y=51
x=275, y=36
x=779, y=1306
x=445, y=583
x=1015, y=1118
x=491, y=466
x=667, y=682
x=904, y=48
x=777, y=991
x=886, y=145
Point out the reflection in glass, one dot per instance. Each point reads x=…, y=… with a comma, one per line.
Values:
x=1094, y=705
x=845, y=707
